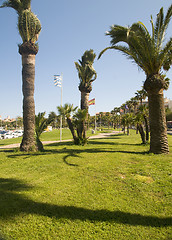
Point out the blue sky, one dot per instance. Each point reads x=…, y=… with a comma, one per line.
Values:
x=70, y=27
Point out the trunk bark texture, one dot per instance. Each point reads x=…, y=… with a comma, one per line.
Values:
x=157, y=120
x=71, y=129
x=28, y=79
x=84, y=105
x=84, y=100
x=147, y=127
x=142, y=133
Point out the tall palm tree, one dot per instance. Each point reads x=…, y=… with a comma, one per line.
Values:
x=87, y=76
x=29, y=28
x=150, y=53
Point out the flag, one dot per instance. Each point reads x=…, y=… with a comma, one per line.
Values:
x=92, y=102
x=58, y=80
x=126, y=107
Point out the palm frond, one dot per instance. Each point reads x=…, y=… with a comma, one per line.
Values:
x=131, y=54
x=118, y=34
x=41, y=123
x=166, y=54
x=86, y=72
x=103, y=51
x=15, y=4
x=159, y=28
x=168, y=17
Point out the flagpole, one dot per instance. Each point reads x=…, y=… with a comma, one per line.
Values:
x=95, y=117
x=58, y=81
x=61, y=106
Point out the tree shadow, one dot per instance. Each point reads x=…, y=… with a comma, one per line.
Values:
x=74, y=152
x=70, y=154
x=93, y=142
x=13, y=204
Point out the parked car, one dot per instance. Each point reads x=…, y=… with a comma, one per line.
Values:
x=2, y=134
x=19, y=133
x=7, y=135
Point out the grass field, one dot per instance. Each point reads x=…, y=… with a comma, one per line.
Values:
x=109, y=189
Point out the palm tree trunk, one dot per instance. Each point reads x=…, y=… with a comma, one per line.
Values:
x=158, y=128
x=147, y=127
x=28, y=79
x=142, y=133
x=84, y=100
x=84, y=105
x=71, y=129
x=128, y=130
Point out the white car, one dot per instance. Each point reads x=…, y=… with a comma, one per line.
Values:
x=2, y=134
x=19, y=133
x=7, y=136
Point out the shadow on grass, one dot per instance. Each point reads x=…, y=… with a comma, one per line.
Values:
x=93, y=142
x=74, y=152
x=13, y=204
x=66, y=148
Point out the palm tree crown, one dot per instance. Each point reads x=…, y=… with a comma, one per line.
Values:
x=67, y=110
x=146, y=50
x=29, y=25
x=86, y=72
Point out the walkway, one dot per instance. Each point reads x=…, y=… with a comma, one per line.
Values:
x=100, y=135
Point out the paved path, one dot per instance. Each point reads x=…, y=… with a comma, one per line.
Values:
x=100, y=135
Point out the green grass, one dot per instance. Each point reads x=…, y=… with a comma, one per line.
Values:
x=109, y=189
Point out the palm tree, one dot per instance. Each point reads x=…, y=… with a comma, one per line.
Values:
x=134, y=103
x=87, y=75
x=53, y=115
x=29, y=28
x=66, y=112
x=150, y=53
x=143, y=110
x=141, y=95
x=79, y=119
x=139, y=121
x=41, y=124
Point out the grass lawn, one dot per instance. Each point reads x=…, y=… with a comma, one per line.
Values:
x=109, y=189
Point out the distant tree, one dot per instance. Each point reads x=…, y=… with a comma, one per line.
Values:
x=19, y=122
x=141, y=95
x=29, y=28
x=125, y=121
x=53, y=116
x=152, y=55
x=143, y=110
x=168, y=114
x=139, y=121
